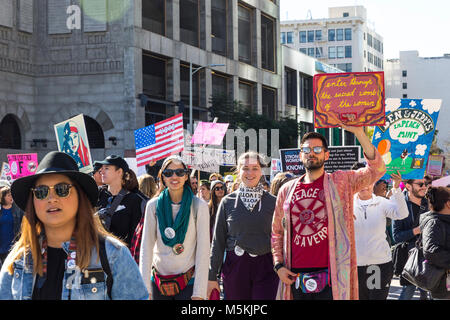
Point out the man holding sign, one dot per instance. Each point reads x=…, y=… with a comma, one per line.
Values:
x=313, y=242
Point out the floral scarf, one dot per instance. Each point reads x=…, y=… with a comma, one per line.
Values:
x=250, y=196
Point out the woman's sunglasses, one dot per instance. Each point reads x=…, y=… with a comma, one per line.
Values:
x=62, y=190
x=220, y=188
x=179, y=172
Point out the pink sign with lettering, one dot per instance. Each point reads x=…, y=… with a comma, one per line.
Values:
x=22, y=165
x=209, y=133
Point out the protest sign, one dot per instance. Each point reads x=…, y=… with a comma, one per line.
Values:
x=211, y=133
x=290, y=161
x=275, y=167
x=435, y=164
x=22, y=165
x=356, y=99
x=341, y=158
x=72, y=139
x=404, y=141
x=5, y=172
x=208, y=159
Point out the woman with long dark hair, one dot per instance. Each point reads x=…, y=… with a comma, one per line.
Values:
x=218, y=191
x=63, y=252
x=175, y=239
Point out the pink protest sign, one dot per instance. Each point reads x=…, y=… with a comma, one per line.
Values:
x=22, y=165
x=209, y=133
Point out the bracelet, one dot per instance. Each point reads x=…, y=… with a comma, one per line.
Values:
x=277, y=267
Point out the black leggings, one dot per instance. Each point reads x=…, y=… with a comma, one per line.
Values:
x=374, y=281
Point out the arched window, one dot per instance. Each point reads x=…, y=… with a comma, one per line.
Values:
x=95, y=134
x=10, y=137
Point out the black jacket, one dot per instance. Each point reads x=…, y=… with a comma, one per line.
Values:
x=436, y=245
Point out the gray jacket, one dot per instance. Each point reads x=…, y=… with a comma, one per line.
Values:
x=236, y=226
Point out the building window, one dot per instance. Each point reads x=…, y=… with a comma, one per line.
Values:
x=339, y=34
x=10, y=137
x=348, y=51
x=405, y=85
x=267, y=43
x=349, y=138
x=346, y=67
x=153, y=16
x=302, y=36
x=219, y=26
x=336, y=136
x=290, y=37
x=318, y=35
x=269, y=104
x=246, y=95
x=303, y=50
x=311, y=36
x=306, y=91
x=95, y=134
x=305, y=127
x=283, y=37
x=291, y=86
x=220, y=84
x=245, y=34
x=404, y=73
x=345, y=14
x=319, y=52
x=154, y=86
x=311, y=52
x=331, y=52
x=189, y=22
x=369, y=40
x=331, y=35
x=405, y=96
x=340, y=52
x=348, y=34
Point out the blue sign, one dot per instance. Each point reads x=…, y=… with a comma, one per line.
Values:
x=404, y=141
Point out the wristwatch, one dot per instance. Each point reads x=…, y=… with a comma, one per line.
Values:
x=277, y=267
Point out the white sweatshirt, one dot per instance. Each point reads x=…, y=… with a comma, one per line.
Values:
x=370, y=226
x=196, y=248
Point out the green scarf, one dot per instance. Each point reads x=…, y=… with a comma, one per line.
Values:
x=165, y=218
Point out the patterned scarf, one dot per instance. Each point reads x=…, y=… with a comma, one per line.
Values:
x=250, y=196
x=71, y=256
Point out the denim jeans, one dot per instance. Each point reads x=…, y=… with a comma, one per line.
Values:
x=408, y=293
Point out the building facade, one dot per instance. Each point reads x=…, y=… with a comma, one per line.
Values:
x=412, y=76
x=126, y=64
x=343, y=40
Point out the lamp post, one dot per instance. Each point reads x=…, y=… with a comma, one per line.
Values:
x=191, y=73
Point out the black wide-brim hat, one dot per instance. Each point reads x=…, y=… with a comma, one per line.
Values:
x=54, y=162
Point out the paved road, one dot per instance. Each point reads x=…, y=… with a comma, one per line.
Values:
x=396, y=288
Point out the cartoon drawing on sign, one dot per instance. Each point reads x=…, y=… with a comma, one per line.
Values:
x=404, y=141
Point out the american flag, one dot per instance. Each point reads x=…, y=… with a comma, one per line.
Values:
x=159, y=140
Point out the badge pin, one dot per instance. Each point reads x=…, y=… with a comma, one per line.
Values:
x=178, y=249
x=71, y=264
x=169, y=233
x=238, y=251
x=311, y=285
x=73, y=255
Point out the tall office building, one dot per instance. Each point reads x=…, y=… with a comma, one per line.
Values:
x=344, y=40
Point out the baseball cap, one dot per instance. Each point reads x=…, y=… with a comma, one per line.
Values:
x=116, y=161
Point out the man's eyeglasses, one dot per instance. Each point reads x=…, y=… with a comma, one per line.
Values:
x=307, y=150
x=421, y=184
x=179, y=172
x=62, y=190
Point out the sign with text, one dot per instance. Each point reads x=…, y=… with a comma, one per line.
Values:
x=22, y=165
x=355, y=99
x=290, y=161
x=208, y=159
x=209, y=133
x=404, y=141
x=342, y=158
x=435, y=165
x=5, y=172
x=275, y=167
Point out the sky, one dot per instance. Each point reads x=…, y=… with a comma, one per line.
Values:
x=404, y=24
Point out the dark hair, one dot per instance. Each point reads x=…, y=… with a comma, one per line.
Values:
x=314, y=135
x=438, y=197
x=4, y=191
x=130, y=181
x=358, y=165
x=381, y=181
x=409, y=181
x=279, y=180
x=214, y=203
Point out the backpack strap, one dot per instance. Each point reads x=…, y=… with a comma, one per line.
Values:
x=105, y=265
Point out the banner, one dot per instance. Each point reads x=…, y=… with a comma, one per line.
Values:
x=342, y=158
x=22, y=165
x=275, y=167
x=290, y=161
x=72, y=139
x=207, y=159
x=211, y=133
x=435, y=165
x=404, y=141
x=355, y=98
x=5, y=172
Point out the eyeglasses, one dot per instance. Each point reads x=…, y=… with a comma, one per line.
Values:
x=307, y=150
x=179, y=172
x=62, y=190
x=420, y=184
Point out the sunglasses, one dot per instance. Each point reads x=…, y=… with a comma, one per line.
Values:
x=307, y=150
x=420, y=184
x=220, y=188
x=62, y=190
x=179, y=172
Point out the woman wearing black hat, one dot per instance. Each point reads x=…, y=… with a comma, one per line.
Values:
x=56, y=256
x=120, y=207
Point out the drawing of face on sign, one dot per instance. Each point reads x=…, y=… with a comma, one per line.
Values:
x=74, y=145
